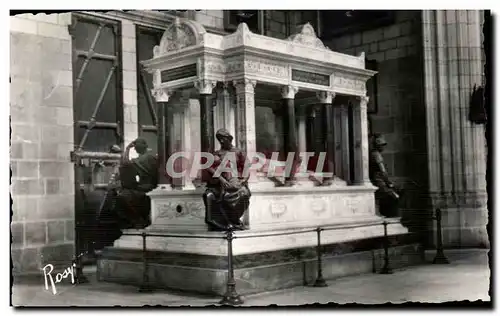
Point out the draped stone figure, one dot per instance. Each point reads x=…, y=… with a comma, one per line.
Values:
x=227, y=195
x=386, y=195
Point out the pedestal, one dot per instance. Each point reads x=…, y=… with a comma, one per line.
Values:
x=277, y=251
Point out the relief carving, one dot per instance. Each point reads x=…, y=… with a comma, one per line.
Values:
x=163, y=209
x=214, y=67
x=307, y=37
x=244, y=86
x=161, y=94
x=193, y=209
x=181, y=34
x=349, y=83
x=354, y=204
x=205, y=86
x=318, y=206
x=185, y=210
x=266, y=68
x=277, y=209
x=288, y=92
x=325, y=97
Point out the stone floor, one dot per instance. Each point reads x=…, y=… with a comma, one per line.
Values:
x=467, y=277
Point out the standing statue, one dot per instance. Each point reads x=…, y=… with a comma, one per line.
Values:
x=386, y=195
x=227, y=195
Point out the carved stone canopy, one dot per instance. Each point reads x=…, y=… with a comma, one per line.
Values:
x=188, y=55
x=307, y=36
x=181, y=34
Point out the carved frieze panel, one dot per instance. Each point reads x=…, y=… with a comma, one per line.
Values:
x=318, y=205
x=277, y=209
x=266, y=68
x=344, y=81
x=188, y=210
x=355, y=205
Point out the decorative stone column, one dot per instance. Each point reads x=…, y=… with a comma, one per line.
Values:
x=278, y=123
x=245, y=108
x=456, y=147
x=360, y=135
x=290, y=139
x=187, y=183
x=345, y=141
x=228, y=108
x=311, y=128
x=205, y=88
x=301, y=128
x=162, y=97
x=338, y=138
x=325, y=99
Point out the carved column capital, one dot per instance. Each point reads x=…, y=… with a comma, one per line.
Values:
x=289, y=92
x=205, y=86
x=245, y=85
x=325, y=97
x=363, y=100
x=161, y=94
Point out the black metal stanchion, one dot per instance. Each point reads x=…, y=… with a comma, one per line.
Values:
x=386, y=269
x=231, y=297
x=320, y=281
x=145, y=286
x=440, y=257
x=80, y=278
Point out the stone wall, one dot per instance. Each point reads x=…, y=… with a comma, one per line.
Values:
x=41, y=108
x=210, y=18
x=401, y=108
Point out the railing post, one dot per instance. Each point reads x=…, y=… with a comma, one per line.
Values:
x=440, y=257
x=231, y=297
x=320, y=281
x=80, y=278
x=145, y=286
x=386, y=269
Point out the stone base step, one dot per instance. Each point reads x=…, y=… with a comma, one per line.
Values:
x=254, y=273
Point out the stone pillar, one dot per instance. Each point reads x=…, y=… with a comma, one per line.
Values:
x=456, y=147
x=326, y=99
x=311, y=130
x=228, y=109
x=278, y=121
x=162, y=97
x=187, y=183
x=290, y=139
x=337, y=139
x=361, y=148
x=205, y=88
x=301, y=128
x=344, y=143
x=246, y=114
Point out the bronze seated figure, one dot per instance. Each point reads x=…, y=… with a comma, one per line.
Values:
x=227, y=196
x=387, y=195
x=126, y=204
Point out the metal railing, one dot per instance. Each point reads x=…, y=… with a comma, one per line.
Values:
x=231, y=296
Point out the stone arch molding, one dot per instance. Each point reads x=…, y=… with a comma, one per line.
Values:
x=181, y=34
x=307, y=37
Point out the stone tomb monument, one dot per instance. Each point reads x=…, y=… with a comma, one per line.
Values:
x=291, y=75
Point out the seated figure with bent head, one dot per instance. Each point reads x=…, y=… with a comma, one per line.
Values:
x=138, y=176
x=126, y=204
x=227, y=195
